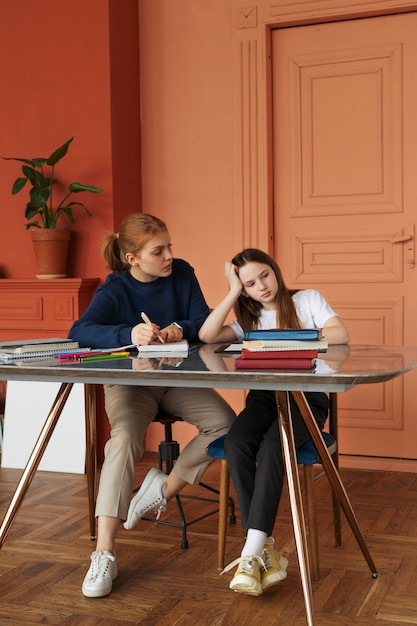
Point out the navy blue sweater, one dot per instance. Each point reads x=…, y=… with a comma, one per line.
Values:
x=118, y=303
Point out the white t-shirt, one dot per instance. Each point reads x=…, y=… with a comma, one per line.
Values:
x=312, y=308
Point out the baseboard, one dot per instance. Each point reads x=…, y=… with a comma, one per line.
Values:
x=377, y=463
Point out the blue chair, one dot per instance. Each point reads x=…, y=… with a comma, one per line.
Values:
x=307, y=457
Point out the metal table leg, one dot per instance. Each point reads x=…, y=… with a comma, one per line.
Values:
x=290, y=460
x=333, y=475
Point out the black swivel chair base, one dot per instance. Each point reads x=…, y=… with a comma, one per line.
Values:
x=168, y=453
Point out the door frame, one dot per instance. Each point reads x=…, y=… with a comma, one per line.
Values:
x=252, y=99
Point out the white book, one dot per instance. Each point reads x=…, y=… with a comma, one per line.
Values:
x=164, y=349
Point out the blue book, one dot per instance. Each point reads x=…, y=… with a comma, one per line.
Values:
x=285, y=334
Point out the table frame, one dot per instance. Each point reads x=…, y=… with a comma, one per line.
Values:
x=281, y=383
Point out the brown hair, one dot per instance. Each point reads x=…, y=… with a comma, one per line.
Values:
x=248, y=311
x=135, y=231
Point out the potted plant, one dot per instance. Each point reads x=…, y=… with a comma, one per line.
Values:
x=46, y=236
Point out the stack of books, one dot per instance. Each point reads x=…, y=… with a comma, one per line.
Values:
x=281, y=349
x=35, y=348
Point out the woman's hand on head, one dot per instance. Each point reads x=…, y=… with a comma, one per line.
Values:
x=233, y=279
x=215, y=328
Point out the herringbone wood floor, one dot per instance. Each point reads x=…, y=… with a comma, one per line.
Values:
x=46, y=555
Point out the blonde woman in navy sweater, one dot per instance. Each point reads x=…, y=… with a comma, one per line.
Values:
x=145, y=278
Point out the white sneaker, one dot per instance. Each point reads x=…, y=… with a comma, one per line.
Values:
x=99, y=579
x=149, y=498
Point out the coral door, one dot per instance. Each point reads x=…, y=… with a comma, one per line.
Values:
x=345, y=199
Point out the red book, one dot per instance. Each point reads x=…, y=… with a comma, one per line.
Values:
x=278, y=354
x=275, y=364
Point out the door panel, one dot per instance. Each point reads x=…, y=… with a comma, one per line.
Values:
x=345, y=198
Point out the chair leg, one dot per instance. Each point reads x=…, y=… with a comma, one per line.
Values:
x=333, y=424
x=91, y=453
x=337, y=522
x=312, y=521
x=168, y=453
x=223, y=510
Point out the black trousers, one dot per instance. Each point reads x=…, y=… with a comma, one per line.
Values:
x=254, y=454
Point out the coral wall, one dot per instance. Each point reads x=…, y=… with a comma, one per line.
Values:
x=61, y=64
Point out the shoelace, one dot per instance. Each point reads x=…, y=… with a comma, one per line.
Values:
x=267, y=552
x=98, y=564
x=267, y=557
x=156, y=507
x=246, y=563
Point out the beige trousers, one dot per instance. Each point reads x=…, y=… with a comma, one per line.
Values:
x=130, y=410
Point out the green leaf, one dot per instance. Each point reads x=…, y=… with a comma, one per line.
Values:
x=36, y=178
x=80, y=204
x=59, y=153
x=68, y=213
x=31, y=211
x=28, y=161
x=18, y=185
x=77, y=187
x=38, y=197
x=39, y=162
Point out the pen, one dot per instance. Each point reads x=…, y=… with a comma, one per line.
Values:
x=105, y=357
x=148, y=321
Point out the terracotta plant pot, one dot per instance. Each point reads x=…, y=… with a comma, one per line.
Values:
x=51, y=251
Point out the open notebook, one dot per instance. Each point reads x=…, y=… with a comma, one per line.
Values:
x=164, y=349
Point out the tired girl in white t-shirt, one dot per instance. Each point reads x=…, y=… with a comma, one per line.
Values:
x=260, y=300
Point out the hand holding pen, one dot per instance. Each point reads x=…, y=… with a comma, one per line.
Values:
x=149, y=323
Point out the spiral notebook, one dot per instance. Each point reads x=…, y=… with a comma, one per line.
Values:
x=269, y=345
x=33, y=348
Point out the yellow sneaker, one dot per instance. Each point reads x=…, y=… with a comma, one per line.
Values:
x=275, y=565
x=248, y=576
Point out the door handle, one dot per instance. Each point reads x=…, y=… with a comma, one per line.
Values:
x=409, y=240
x=401, y=238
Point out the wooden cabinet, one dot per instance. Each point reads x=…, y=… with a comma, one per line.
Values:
x=32, y=308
